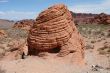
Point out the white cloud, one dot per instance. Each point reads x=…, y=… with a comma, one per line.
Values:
x=1, y=13
x=17, y=15
x=3, y=1
x=104, y=6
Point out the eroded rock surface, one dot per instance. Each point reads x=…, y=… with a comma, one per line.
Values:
x=54, y=29
x=2, y=33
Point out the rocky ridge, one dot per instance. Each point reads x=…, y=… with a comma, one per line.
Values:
x=89, y=18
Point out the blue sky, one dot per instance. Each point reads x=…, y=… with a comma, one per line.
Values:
x=29, y=9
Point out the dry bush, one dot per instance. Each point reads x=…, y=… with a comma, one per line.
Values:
x=104, y=50
x=89, y=46
x=93, y=41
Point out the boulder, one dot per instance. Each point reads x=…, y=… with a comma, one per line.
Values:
x=55, y=31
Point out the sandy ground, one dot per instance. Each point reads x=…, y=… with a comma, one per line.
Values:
x=33, y=64
x=37, y=65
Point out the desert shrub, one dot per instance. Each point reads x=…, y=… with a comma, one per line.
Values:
x=108, y=50
x=104, y=50
x=5, y=40
x=103, y=34
x=93, y=41
x=89, y=46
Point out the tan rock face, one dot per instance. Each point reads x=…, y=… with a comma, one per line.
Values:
x=54, y=29
x=2, y=33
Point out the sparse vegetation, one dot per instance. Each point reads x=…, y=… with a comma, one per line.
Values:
x=104, y=50
x=89, y=46
x=93, y=31
x=93, y=41
x=16, y=33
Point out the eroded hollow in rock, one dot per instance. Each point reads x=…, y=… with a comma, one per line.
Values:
x=36, y=52
x=55, y=50
x=32, y=51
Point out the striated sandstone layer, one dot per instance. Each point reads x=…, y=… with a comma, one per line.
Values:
x=54, y=29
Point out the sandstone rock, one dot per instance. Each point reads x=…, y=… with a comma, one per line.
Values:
x=2, y=33
x=83, y=18
x=24, y=24
x=89, y=18
x=18, y=51
x=102, y=18
x=18, y=45
x=54, y=29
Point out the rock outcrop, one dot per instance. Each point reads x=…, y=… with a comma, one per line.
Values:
x=2, y=33
x=83, y=18
x=55, y=31
x=24, y=24
x=102, y=18
x=89, y=18
x=18, y=50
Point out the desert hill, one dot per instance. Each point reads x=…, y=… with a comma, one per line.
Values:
x=6, y=23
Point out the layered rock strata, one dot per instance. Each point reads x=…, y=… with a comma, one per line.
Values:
x=54, y=29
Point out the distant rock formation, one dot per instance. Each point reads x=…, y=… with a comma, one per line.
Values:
x=79, y=18
x=24, y=24
x=55, y=30
x=6, y=23
x=89, y=18
x=102, y=18
x=4, y=20
x=83, y=18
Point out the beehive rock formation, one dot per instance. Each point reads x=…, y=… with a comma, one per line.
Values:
x=54, y=29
